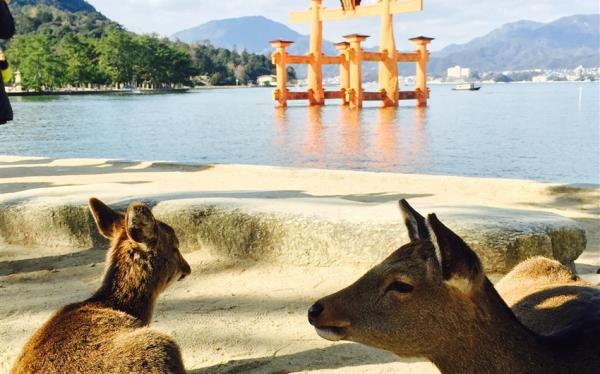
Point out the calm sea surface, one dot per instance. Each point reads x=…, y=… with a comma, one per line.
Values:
x=533, y=131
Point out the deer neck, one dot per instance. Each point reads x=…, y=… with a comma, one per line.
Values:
x=128, y=285
x=495, y=341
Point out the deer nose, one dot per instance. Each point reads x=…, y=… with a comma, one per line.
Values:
x=314, y=311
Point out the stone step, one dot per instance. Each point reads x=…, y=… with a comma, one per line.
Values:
x=287, y=228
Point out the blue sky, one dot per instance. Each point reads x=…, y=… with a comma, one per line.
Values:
x=449, y=21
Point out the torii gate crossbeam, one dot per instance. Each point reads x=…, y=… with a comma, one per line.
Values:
x=388, y=56
x=361, y=11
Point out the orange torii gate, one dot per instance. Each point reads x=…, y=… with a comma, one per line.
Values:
x=351, y=55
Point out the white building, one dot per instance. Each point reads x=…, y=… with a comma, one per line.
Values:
x=266, y=80
x=458, y=72
x=577, y=74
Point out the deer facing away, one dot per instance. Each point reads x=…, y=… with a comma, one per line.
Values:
x=108, y=332
x=431, y=298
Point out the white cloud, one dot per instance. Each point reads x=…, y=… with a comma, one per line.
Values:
x=448, y=21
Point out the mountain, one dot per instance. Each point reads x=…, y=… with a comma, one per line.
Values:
x=252, y=34
x=565, y=43
x=59, y=17
x=65, y=5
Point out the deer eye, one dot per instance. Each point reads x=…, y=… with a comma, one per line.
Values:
x=400, y=287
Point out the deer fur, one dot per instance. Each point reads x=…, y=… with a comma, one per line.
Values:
x=431, y=298
x=108, y=333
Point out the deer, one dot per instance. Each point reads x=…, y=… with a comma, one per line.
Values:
x=108, y=332
x=431, y=298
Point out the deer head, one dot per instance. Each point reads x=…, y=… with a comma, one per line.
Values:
x=144, y=258
x=415, y=300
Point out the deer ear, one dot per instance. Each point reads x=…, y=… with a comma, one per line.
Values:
x=141, y=225
x=415, y=223
x=107, y=220
x=460, y=266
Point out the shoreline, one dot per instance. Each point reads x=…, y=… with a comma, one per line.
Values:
x=229, y=87
x=122, y=91
x=94, y=92
x=578, y=185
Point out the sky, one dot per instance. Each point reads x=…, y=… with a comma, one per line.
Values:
x=449, y=21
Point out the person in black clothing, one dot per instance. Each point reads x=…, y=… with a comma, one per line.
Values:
x=7, y=30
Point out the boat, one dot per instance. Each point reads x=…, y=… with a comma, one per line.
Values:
x=466, y=87
x=131, y=90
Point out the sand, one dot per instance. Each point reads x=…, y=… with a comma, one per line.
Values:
x=241, y=316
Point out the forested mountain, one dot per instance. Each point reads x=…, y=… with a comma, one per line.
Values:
x=66, y=5
x=51, y=20
x=63, y=43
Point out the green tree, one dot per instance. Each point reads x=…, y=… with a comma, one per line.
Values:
x=80, y=58
x=35, y=57
x=116, y=56
x=181, y=66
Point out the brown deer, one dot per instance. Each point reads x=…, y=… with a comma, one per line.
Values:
x=108, y=332
x=431, y=298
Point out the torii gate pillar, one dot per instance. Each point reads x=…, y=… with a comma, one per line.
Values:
x=421, y=79
x=355, y=95
x=280, y=61
x=344, y=48
x=316, y=95
x=388, y=67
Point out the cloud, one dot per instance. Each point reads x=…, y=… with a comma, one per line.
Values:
x=449, y=21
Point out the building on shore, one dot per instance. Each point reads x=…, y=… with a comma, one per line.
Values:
x=458, y=73
x=266, y=81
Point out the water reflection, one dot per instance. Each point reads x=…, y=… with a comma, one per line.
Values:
x=314, y=140
x=281, y=133
x=336, y=136
x=419, y=145
x=386, y=139
x=350, y=131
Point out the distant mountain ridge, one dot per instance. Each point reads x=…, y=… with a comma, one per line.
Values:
x=252, y=33
x=564, y=43
x=65, y=5
x=249, y=33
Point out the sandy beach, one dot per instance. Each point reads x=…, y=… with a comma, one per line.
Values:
x=240, y=315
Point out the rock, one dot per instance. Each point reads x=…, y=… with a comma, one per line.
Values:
x=305, y=230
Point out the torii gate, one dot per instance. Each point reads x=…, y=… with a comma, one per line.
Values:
x=352, y=55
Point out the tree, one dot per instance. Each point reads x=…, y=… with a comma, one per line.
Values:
x=161, y=62
x=80, y=58
x=117, y=51
x=34, y=56
x=240, y=73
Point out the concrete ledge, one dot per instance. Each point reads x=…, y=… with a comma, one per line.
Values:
x=316, y=231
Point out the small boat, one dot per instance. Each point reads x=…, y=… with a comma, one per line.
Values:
x=131, y=90
x=466, y=87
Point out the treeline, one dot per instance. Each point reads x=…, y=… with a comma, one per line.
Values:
x=57, y=49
